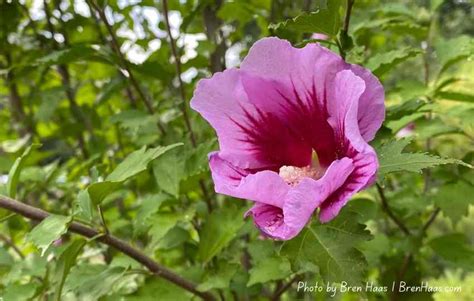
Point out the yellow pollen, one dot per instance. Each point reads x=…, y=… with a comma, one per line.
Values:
x=293, y=175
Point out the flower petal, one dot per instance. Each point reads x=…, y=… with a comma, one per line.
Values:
x=299, y=203
x=343, y=107
x=264, y=186
x=314, y=64
x=222, y=101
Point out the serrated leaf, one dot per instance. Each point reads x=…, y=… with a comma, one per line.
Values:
x=452, y=51
x=132, y=165
x=332, y=248
x=406, y=108
x=49, y=230
x=269, y=269
x=325, y=20
x=74, y=54
x=219, y=229
x=66, y=261
x=383, y=62
x=455, y=249
x=14, y=174
x=391, y=159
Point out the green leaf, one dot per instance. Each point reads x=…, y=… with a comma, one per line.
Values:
x=161, y=224
x=452, y=51
x=391, y=159
x=132, y=165
x=137, y=162
x=454, y=248
x=90, y=282
x=454, y=200
x=74, y=54
x=83, y=206
x=49, y=230
x=383, y=62
x=454, y=95
x=269, y=269
x=20, y=292
x=404, y=109
x=149, y=206
x=219, y=279
x=332, y=248
x=12, y=146
x=154, y=286
x=14, y=174
x=325, y=20
x=219, y=229
x=168, y=172
x=65, y=262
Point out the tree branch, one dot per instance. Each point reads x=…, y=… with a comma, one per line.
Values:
x=344, y=34
x=406, y=263
x=125, y=64
x=276, y=296
x=177, y=62
x=66, y=81
x=184, y=110
x=389, y=211
x=112, y=241
x=347, y=17
x=430, y=221
x=212, y=25
x=12, y=245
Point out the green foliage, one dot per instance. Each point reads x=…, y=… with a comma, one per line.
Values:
x=331, y=247
x=14, y=174
x=383, y=62
x=454, y=200
x=271, y=268
x=219, y=229
x=49, y=230
x=132, y=165
x=65, y=262
x=391, y=159
x=455, y=249
x=325, y=20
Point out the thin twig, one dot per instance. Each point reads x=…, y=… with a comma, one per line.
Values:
x=430, y=221
x=37, y=214
x=124, y=63
x=276, y=296
x=389, y=212
x=184, y=110
x=66, y=81
x=347, y=17
x=406, y=263
x=177, y=61
x=345, y=27
x=12, y=245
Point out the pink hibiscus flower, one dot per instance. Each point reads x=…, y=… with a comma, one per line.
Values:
x=293, y=126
